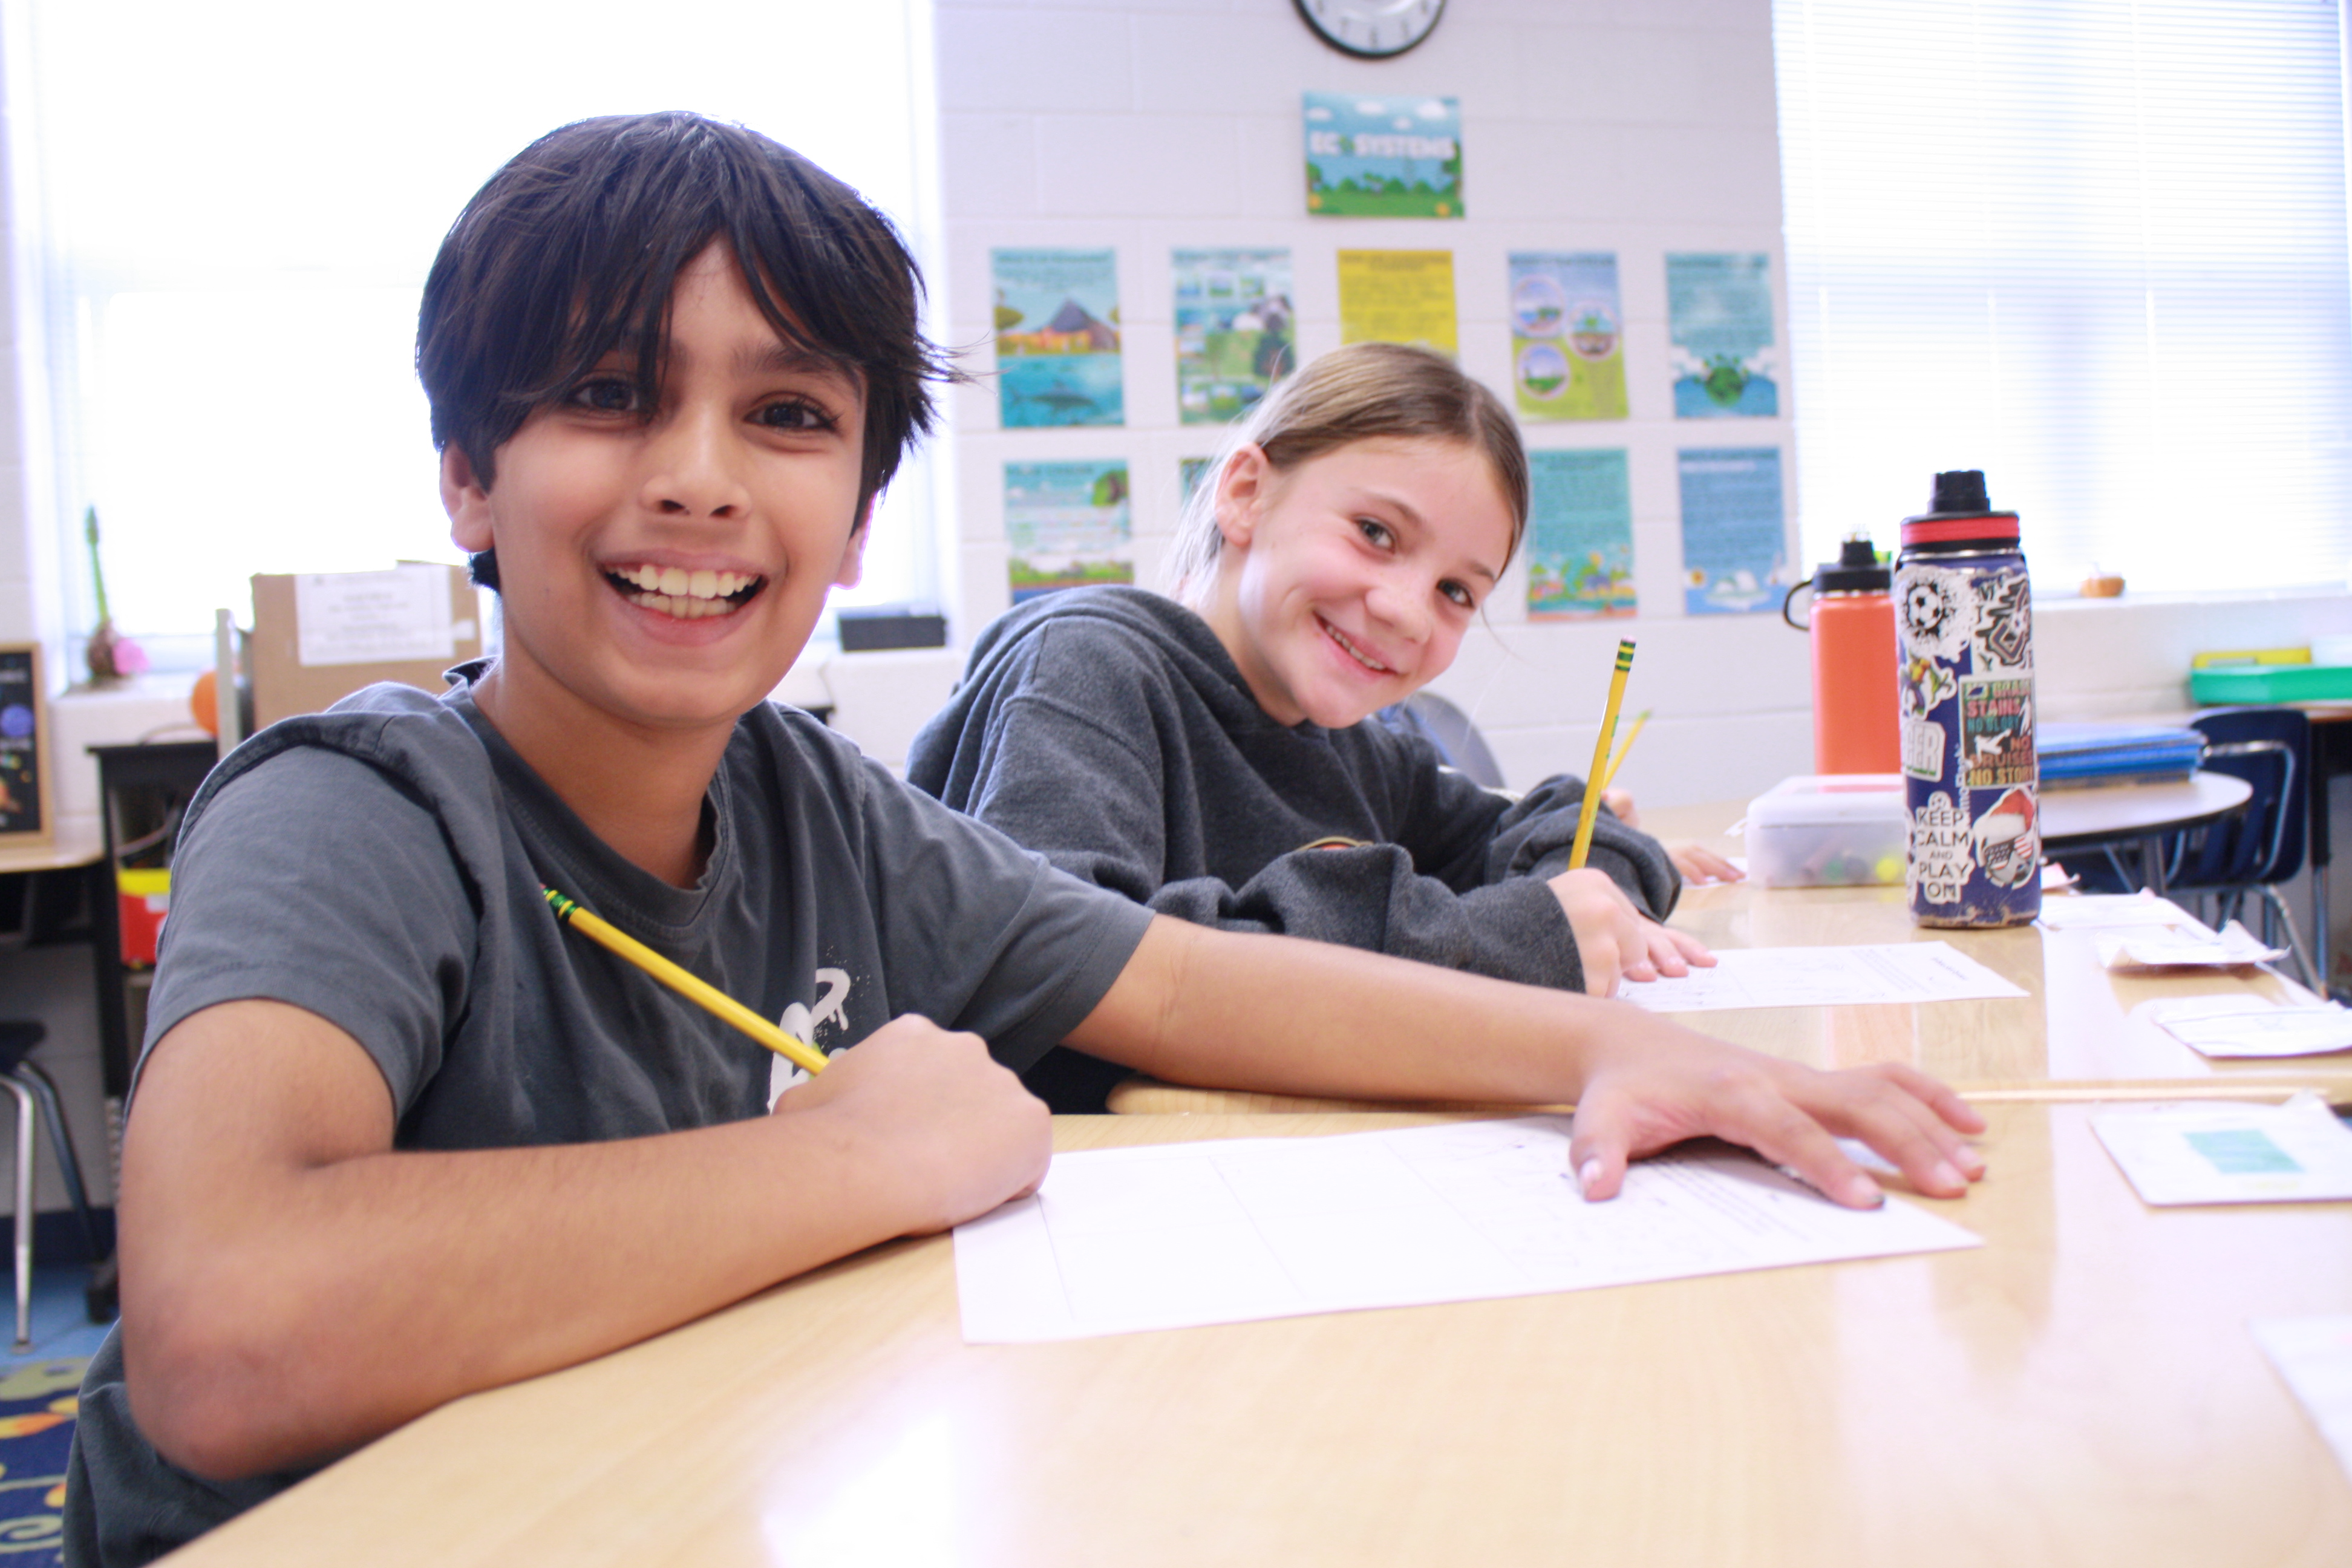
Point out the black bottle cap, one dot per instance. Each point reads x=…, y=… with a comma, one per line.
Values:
x=1855, y=571
x=1961, y=489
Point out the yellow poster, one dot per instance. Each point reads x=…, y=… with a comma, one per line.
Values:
x=1398, y=297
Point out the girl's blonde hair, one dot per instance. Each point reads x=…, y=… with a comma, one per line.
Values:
x=1354, y=394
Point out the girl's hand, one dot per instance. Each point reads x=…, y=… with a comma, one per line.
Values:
x=1621, y=806
x=1615, y=939
x=1699, y=864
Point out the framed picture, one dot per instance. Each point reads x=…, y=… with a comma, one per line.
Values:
x=25, y=807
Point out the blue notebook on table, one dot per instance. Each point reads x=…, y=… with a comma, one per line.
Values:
x=2116, y=753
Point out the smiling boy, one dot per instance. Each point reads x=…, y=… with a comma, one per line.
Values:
x=398, y=1137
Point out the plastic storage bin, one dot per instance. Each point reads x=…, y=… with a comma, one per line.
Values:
x=1828, y=830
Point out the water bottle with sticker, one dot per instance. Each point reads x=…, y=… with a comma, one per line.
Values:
x=1964, y=635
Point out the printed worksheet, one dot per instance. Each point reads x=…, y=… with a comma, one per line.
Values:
x=1823, y=977
x=2315, y=1356
x=2243, y=1026
x=2227, y=1153
x=1174, y=1235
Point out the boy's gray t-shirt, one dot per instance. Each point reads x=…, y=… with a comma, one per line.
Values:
x=381, y=865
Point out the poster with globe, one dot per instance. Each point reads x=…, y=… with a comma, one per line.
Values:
x=1719, y=323
x=1567, y=335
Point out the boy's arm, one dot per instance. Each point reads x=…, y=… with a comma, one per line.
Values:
x=292, y=1288
x=1204, y=1007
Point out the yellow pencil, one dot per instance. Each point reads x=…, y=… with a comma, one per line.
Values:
x=700, y=992
x=1630, y=736
x=1601, y=755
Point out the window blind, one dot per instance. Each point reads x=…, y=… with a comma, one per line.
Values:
x=2094, y=247
x=235, y=206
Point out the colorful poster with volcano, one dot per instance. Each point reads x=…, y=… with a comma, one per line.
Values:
x=1057, y=359
x=1580, y=535
x=1719, y=323
x=1372, y=156
x=1567, y=335
x=1735, y=535
x=1068, y=524
x=1234, y=334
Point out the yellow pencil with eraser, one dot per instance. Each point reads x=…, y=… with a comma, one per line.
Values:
x=692, y=987
x=1599, y=770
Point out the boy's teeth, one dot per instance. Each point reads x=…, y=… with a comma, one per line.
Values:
x=676, y=583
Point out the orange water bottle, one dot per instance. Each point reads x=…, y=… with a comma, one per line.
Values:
x=1856, y=710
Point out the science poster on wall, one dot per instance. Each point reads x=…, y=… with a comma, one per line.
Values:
x=1719, y=323
x=23, y=738
x=1374, y=156
x=1734, y=543
x=1190, y=472
x=1235, y=330
x=1568, y=337
x=1398, y=297
x=1068, y=524
x=1580, y=535
x=1057, y=360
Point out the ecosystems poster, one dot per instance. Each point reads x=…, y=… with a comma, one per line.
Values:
x=1057, y=359
x=1719, y=320
x=1067, y=525
x=1370, y=157
x=1735, y=545
x=1398, y=297
x=1568, y=336
x=1235, y=330
x=1580, y=535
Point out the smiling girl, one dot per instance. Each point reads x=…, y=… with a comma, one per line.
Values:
x=1214, y=754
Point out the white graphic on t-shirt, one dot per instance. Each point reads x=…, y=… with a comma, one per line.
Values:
x=801, y=1023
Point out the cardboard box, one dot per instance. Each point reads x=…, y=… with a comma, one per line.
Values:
x=318, y=636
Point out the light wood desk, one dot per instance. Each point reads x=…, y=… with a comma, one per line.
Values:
x=2081, y=1030
x=2081, y=1390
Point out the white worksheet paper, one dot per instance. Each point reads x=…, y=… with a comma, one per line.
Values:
x=1174, y=1235
x=2249, y=1025
x=1821, y=977
x=2315, y=1356
x=2228, y=1154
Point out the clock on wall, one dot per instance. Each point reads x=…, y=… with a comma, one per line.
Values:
x=1372, y=29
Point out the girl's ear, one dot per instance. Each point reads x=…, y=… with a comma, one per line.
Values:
x=1242, y=487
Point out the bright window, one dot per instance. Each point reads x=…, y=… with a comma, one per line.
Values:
x=236, y=204
x=2094, y=247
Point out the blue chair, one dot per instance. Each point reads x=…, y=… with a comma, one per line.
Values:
x=2250, y=855
x=1450, y=730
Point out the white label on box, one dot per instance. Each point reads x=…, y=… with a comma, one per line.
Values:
x=373, y=617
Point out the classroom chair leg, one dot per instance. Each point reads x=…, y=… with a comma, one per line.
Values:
x=24, y=1135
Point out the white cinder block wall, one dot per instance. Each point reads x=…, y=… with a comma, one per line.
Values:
x=1636, y=126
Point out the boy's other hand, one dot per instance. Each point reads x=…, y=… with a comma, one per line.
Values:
x=1653, y=1084
x=1699, y=864
x=1614, y=939
x=954, y=1131
x=1621, y=806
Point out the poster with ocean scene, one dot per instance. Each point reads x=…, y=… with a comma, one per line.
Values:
x=1734, y=541
x=1372, y=156
x=1057, y=360
x=1719, y=323
x=1567, y=335
x=1068, y=524
x=1580, y=535
x=1234, y=334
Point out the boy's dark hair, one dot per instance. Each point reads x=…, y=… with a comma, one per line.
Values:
x=571, y=250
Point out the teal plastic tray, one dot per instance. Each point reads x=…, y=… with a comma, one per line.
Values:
x=2272, y=683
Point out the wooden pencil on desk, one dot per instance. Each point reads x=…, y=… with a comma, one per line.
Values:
x=691, y=986
x=1599, y=770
